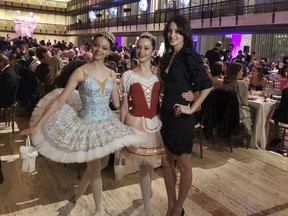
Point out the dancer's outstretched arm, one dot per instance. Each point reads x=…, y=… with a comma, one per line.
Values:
x=75, y=78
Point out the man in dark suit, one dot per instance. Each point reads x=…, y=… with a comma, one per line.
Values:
x=227, y=56
x=214, y=54
x=42, y=70
x=8, y=81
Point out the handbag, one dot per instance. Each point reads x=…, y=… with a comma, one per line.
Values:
x=28, y=156
x=123, y=165
x=119, y=164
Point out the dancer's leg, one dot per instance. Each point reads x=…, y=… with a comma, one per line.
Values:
x=85, y=181
x=94, y=168
x=151, y=176
x=80, y=190
x=185, y=168
x=145, y=184
x=170, y=177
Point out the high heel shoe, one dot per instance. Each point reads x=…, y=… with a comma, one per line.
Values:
x=182, y=212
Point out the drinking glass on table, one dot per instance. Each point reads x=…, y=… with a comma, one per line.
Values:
x=266, y=93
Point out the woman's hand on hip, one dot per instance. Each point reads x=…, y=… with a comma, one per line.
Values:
x=179, y=109
x=188, y=96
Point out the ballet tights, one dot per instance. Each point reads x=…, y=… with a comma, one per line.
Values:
x=92, y=176
x=145, y=175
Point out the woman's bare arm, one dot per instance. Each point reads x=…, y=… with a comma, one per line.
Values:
x=124, y=108
x=179, y=108
x=115, y=94
x=75, y=78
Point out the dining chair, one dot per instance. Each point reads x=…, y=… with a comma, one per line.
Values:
x=9, y=111
x=279, y=131
x=225, y=118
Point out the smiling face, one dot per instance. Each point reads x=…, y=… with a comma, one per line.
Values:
x=176, y=40
x=144, y=50
x=100, y=48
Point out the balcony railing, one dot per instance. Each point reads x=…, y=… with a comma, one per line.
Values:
x=207, y=11
x=52, y=8
x=41, y=28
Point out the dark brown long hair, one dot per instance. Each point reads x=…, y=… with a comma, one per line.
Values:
x=259, y=69
x=183, y=27
x=232, y=72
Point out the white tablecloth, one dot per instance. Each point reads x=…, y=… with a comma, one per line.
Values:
x=263, y=111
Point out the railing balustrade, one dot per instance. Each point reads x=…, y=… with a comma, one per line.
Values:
x=206, y=11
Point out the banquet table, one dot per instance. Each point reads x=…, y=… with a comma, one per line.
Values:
x=263, y=112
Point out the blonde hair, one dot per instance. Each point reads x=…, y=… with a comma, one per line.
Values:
x=55, y=67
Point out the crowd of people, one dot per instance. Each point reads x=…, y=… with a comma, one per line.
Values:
x=258, y=71
x=157, y=97
x=246, y=74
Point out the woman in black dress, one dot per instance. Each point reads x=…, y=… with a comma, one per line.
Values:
x=182, y=71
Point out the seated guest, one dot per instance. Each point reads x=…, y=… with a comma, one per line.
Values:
x=233, y=82
x=244, y=65
x=42, y=70
x=252, y=63
x=216, y=70
x=53, y=78
x=256, y=80
x=225, y=67
x=240, y=57
x=8, y=82
x=273, y=68
x=264, y=65
x=281, y=114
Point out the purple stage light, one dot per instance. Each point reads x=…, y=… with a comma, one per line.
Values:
x=119, y=40
x=236, y=40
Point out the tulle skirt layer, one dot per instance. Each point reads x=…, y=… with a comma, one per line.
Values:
x=151, y=150
x=67, y=138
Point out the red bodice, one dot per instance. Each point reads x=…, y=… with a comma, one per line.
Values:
x=141, y=97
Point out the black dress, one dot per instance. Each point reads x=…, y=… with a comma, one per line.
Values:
x=185, y=73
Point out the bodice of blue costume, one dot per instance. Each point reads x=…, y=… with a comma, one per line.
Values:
x=95, y=97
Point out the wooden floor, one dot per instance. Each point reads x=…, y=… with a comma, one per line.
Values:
x=245, y=182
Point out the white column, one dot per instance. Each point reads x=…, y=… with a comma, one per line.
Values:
x=246, y=41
